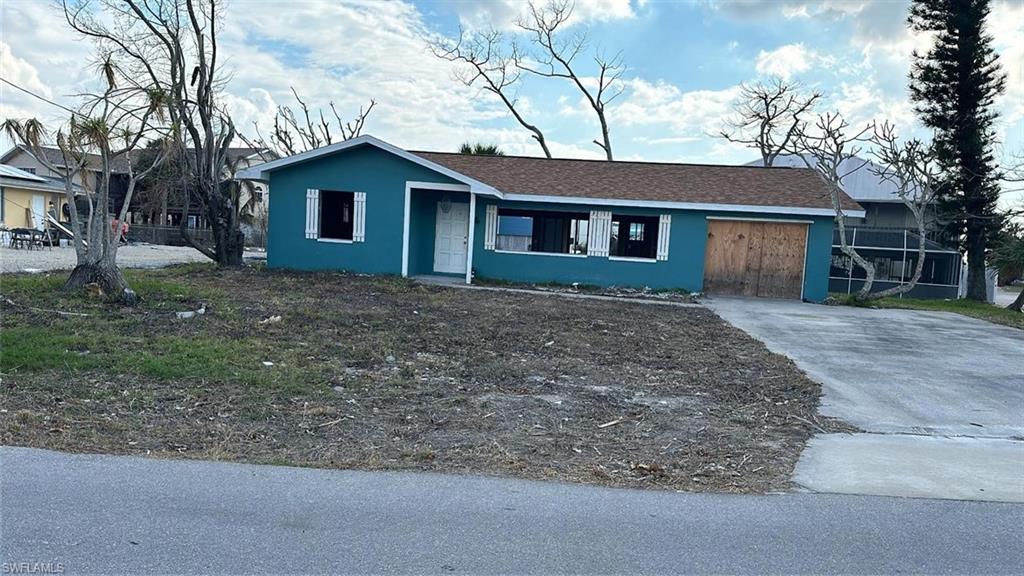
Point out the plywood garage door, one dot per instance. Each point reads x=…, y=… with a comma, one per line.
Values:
x=751, y=258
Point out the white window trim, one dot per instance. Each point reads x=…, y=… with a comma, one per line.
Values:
x=664, y=235
x=558, y=254
x=312, y=214
x=491, y=227
x=313, y=218
x=599, y=235
x=359, y=217
x=632, y=259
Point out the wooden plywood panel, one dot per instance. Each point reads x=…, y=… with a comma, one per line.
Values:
x=755, y=250
x=782, y=260
x=725, y=260
x=751, y=258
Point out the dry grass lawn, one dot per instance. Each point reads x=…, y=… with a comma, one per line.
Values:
x=343, y=371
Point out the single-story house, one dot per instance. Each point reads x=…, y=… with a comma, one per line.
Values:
x=26, y=198
x=367, y=206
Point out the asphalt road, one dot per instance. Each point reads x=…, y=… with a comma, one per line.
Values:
x=130, y=515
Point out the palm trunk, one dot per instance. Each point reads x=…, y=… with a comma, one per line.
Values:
x=1017, y=304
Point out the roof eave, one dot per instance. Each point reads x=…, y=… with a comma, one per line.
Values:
x=670, y=205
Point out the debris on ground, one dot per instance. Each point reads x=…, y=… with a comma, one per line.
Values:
x=626, y=394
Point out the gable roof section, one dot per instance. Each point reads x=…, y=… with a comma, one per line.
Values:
x=702, y=186
x=862, y=181
x=119, y=164
x=262, y=171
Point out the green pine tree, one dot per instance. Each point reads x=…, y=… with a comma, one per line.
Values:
x=953, y=87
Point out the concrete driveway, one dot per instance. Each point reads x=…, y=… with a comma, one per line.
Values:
x=940, y=397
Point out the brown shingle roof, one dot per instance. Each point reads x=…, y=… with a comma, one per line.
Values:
x=650, y=181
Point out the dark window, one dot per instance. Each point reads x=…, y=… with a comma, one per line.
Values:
x=29, y=170
x=542, y=231
x=336, y=214
x=634, y=236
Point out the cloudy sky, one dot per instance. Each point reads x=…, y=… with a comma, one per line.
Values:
x=685, y=63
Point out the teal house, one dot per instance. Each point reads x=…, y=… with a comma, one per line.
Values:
x=367, y=206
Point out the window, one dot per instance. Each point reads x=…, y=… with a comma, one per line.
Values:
x=634, y=236
x=542, y=231
x=337, y=215
x=29, y=170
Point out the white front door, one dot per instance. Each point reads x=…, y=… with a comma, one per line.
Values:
x=451, y=239
x=38, y=212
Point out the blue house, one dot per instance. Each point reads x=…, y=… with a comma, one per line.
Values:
x=367, y=206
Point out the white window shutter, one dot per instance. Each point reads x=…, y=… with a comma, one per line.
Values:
x=491, y=229
x=359, y=224
x=664, y=233
x=312, y=213
x=600, y=233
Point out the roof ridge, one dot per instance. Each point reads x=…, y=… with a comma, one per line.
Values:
x=597, y=160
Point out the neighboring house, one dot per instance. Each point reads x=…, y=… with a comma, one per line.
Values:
x=26, y=198
x=23, y=159
x=366, y=206
x=887, y=235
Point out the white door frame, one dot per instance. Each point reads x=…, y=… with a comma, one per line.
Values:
x=454, y=218
x=38, y=217
x=409, y=186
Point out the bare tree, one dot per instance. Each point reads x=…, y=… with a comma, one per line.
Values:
x=293, y=133
x=912, y=167
x=110, y=126
x=768, y=117
x=487, y=64
x=556, y=55
x=172, y=45
x=826, y=146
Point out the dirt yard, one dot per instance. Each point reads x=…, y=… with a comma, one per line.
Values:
x=343, y=371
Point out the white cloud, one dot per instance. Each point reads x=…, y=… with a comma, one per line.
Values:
x=502, y=14
x=21, y=72
x=1006, y=24
x=685, y=113
x=790, y=60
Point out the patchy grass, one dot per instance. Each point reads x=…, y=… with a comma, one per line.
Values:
x=345, y=371
x=972, y=308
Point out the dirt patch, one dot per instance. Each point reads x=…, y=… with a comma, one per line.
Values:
x=387, y=374
x=625, y=292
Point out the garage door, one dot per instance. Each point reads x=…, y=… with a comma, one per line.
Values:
x=751, y=258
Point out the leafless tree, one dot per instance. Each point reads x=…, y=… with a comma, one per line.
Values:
x=486, y=63
x=1013, y=170
x=911, y=166
x=110, y=126
x=171, y=45
x=826, y=146
x=556, y=56
x=768, y=117
x=293, y=133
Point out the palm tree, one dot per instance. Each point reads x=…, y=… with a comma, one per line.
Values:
x=481, y=149
x=1010, y=257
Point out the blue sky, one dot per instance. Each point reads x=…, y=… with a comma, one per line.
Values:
x=685, y=62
